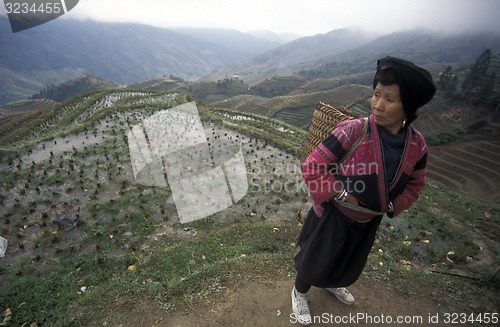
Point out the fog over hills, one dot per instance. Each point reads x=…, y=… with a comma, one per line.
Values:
x=243, y=44
x=126, y=53
x=351, y=51
x=297, y=53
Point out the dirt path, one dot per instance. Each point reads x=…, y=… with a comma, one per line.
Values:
x=260, y=304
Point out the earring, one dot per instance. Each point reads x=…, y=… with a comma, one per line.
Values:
x=404, y=123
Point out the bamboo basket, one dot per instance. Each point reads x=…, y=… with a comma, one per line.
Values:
x=324, y=120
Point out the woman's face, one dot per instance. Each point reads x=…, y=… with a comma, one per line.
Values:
x=387, y=108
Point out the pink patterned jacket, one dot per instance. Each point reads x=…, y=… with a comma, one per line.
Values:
x=362, y=173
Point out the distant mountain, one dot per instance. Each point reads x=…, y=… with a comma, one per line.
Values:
x=74, y=86
x=347, y=52
x=421, y=47
x=124, y=53
x=245, y=45
x=289, y=56
x=280, y=38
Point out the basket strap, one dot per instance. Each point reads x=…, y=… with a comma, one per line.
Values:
x=358, y=142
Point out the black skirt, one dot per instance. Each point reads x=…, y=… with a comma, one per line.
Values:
x=332, y=250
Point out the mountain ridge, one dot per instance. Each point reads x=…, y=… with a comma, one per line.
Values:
x=132, y=53
x=420, y=46
x=289, y=56
x=123, y=53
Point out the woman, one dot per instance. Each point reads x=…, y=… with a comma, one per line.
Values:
x=385, y=174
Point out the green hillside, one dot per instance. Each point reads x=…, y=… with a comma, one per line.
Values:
x=158, y=84
x=74, y=86
x=278, y=85
x=217, y=90
x=25, y=106
x=88, y=246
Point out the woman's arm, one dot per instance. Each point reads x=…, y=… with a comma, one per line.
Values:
x=319, y=167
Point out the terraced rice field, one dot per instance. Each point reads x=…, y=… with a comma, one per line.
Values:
x=471, y=163
x=160, y=84
x=295, y=109
x=33, y=105
x=59, y=188
x=300, y=116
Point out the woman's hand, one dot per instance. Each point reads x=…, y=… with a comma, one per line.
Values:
x=352, y=199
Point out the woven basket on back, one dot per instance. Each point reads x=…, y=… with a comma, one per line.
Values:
x=324, y=120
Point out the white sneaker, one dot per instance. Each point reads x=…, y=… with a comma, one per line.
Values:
x=342, y=294
x=300, y=308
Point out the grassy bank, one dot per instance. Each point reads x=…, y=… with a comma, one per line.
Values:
x=179, y=272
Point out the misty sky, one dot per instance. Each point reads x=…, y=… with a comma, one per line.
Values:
x=303, y=17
